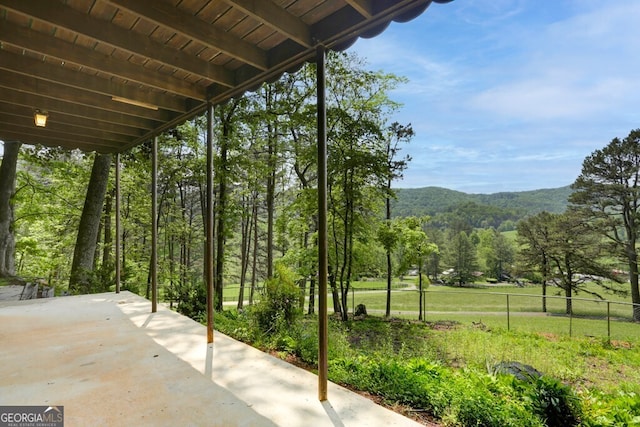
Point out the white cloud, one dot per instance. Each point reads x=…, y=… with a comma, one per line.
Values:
x=512, y=94
x=576, y=68
x=550, y=98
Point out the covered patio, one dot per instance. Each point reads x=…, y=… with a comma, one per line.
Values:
x=110, y=362
x=112, y=74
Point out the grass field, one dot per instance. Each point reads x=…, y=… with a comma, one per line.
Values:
x=468, y=334
x=486, y=306
x=457, y=351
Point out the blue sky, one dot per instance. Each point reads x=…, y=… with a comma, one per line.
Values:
x=511, y=95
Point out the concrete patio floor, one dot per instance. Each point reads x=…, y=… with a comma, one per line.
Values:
x=110, y=361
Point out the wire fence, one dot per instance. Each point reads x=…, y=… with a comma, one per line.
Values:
x=550, y=314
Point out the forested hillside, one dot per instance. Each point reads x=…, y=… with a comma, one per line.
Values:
x=480, y=210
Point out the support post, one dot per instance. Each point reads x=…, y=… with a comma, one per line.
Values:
x=209, y=225
x=508, y=315
x=118, y=235
x=154, y=225
x=323, y=326
x=571, y=318
x=609, y=322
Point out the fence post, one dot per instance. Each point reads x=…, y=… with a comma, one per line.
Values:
x=424, y=305
x=353, y=300
x=508, y=315
x=571, y=320
x=609, y=322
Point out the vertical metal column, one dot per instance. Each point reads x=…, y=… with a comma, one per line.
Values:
x=323, y=340
x=118, y=236
x=209, y=225
x=154, y=225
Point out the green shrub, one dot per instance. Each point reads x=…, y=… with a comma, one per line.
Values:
x=192, y=300
x=465, y=398
x=395, y=360
x=554, y=402
x=235, y=324
x=278, y=309
x=620, y=409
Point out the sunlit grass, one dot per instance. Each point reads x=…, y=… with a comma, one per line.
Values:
x=488, y=305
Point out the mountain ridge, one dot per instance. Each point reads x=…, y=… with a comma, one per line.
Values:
x=437, y=200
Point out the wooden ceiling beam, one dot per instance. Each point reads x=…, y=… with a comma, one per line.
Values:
x=67, y=119
x=45, y=140
x=51, y=46
x=77, y=96
x=56, y=127
x=364, y=7
x=166, y=15
x=70, y=19
x=34, y=101
x=59, y=74
x=36, y=135
x=279, y=19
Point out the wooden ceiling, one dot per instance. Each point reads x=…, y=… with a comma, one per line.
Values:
x=113, y=73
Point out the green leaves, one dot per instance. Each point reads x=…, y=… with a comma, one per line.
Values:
x=607, y=194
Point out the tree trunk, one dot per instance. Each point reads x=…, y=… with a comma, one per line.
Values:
x=172, y=269
x=270, y=198
x=83, y=255
x=312, y=296
x=108, y=238
x=222, y=214
x=254, y=251
x=335, y=295
x=7, y=188
x=245, y=247
x=567, y=292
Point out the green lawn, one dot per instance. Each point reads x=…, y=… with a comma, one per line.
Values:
x=487, y=305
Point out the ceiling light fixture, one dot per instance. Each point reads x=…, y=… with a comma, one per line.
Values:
x=40, y=118
x=134, y=102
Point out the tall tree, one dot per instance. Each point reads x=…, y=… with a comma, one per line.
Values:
x=50, y=190
x=222, y=177
x=607, y=192
x=388, y=236
x=357, y=165
x=396, y=133
x=461, y=257
x=575, y=256
x=83, y=255
x=417, y=250
x=7, y=189
x=497, y=252
x=534, y=238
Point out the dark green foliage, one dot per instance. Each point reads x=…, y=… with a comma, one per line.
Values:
x=499, y=210
x=462, y=398
x=192, y=300
x=398, y=361
x=606, y=195
x=460, y=255
x=279, y=308
x=621, y=410
x=554, y=402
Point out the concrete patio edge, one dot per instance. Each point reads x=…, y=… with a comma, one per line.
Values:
x=110, y=361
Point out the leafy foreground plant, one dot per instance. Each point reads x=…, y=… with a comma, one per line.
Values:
x=396, y=361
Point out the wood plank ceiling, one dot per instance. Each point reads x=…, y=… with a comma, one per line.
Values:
x=113, y=73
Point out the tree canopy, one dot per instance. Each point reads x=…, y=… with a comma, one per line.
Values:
x=607, y=193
